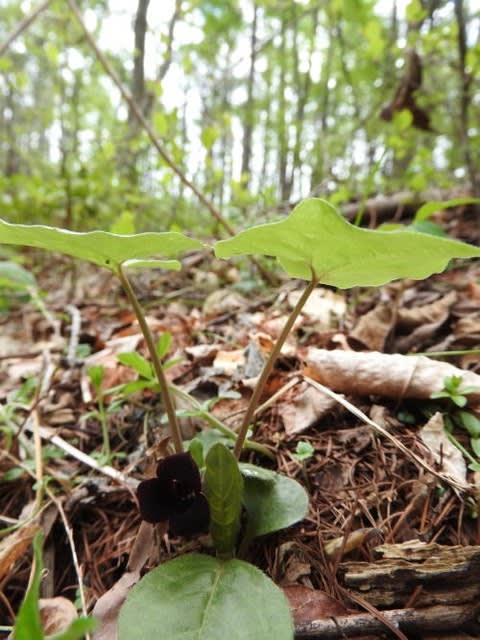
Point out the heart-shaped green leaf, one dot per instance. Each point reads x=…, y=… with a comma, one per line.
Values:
x=316, y=241
x=100, y=247
x=223, y=488
x=272, y=506
x=196, y=597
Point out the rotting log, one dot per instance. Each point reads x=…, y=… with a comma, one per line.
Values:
x=417, y=587
x=439, y=574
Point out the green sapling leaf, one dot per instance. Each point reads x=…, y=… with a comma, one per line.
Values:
x=315, y=241
x=223, y=488
x=136, y=361
x=163, y=344
x=96, y=373
x=470, y=422
x=303, y=451
x=100, y=247
x=14, y=276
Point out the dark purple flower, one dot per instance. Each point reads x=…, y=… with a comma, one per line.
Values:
x=175, y=495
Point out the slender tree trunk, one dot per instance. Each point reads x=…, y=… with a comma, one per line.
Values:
x=249, y=106
x=302, y=90
x=465, y=97
x=282, y=114
x=138, y=77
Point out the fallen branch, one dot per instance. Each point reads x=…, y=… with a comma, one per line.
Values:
x=438, y=618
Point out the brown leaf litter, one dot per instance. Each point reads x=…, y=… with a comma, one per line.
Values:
x=364, y=490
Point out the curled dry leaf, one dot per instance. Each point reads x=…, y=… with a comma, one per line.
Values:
x=15, y=546
x=390, y=375
x=374, y=327
x=449, y=458
x=56, y=614
x=312, y=604
x=322, y=307
x=341, y=545
x=308, y=406
x=427, y=313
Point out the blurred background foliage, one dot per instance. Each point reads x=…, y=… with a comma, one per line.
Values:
x=259, y=102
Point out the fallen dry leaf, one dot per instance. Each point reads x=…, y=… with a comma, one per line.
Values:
x=322, y=307
x=449, y=458
x=305, y=408
x=341, y=545
x=15, y=546
x=373, y=328
x=107, y=608
x=311, y=604
x=56, y=614
x=391, y=375
x=428, y=313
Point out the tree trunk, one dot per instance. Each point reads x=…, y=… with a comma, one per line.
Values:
x=249, y=107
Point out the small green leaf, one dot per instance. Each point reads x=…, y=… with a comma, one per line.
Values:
x=28, y=625
x=163, y=344
x=197, y=597
x=316, y=241
x=195, y=447
x=223, y=488
x=460, y=401
x=134, y=360
x=475, y=444
x=303, y=451
x=76, y=630
x=96, y=373
x=430, y=208
x=274, y=506
x=124, y=224
x=100, y=247
x=13, y=275
x=470, y=422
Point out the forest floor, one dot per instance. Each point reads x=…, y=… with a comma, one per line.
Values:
x=366, y=492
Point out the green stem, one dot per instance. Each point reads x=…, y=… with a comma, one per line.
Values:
x=157, y=365
x=219, y=425
x=103, y=421
x=255, y=398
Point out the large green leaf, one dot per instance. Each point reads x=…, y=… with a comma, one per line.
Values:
x=197, y=597
x=101, y=247
x=272, y=506
x=316, y=240
x=223, y=488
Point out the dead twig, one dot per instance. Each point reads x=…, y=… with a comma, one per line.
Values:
x=436, y=618
x=22, y=25
x=138, y=114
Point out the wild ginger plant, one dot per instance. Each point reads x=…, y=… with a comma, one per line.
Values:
x=199, y=595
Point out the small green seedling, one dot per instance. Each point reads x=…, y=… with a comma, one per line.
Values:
x=456, y=394
x=303, y=451
x=454, y=391
x=204, y=597
x=96, y=373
